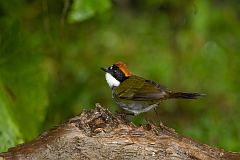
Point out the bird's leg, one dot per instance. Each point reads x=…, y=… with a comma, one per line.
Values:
x=158, y=118
x=124, y=115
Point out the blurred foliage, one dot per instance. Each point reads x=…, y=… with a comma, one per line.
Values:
x=51, y=52
x=23, y=86
x=84, y=9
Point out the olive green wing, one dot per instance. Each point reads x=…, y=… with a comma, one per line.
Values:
x=139, y=89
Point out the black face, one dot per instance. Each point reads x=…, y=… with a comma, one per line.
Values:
x=115, y=72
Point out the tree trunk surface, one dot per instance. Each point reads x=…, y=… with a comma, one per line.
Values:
x=97, y=134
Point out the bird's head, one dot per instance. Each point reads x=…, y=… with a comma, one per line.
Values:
x=116, y=73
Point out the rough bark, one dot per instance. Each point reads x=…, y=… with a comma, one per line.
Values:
x=97, y=134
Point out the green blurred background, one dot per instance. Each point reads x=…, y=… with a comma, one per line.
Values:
x=51, y=52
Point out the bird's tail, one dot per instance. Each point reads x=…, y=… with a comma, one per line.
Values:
x=186, y=95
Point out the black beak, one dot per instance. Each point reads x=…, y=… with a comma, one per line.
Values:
x=105, y=69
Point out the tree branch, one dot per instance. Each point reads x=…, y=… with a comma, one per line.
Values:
x=97, y=134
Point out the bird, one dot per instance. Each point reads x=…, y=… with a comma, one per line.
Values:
x=136, y=94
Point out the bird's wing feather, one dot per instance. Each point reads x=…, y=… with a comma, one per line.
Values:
x=139, y=89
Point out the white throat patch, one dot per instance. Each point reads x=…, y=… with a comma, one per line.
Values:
x=112, y=82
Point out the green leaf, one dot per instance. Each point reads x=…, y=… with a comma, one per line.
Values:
x=85, y=9
x=24, y=83
x=9, y=132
